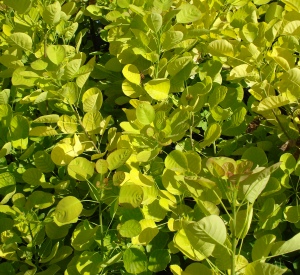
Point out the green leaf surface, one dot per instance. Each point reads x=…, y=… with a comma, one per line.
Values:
x=118, y=158
x=68, y=209
x=22, y=40
x=130, y=228
x=81, y=169
x=158, y=89
x=145, y=113
x=135, y=260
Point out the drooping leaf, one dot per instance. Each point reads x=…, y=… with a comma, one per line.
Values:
x=262, y=246
x=212, y=133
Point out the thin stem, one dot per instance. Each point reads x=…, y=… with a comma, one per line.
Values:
x=85, y=132
x=233, y=232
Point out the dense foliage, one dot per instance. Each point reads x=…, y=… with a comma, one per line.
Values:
x=140, y=136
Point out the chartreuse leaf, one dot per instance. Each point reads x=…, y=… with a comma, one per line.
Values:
x=158, y=89
x=33, y=176
x=81, y=169
x=62, y=154
x=135, y=260
x=92, y=100
x=256, y=155
x=43, y=161
x=176, y=66
x=220, y=48
x=7, y=186
x=145, y=113
x=5, y=150
x=153, y=21
x=51, y=13
x=210, y=229
x=194, y=161
x=67, y=124
x=56, y=53
x=54, y=231
x=19, y=130
x=132, y=74
x=212, y=133
x=262, y=247
x=176, y=161
x=271, y=102
x=217, y=96
x=70, y=92
x=292, y=213
x=118, y=158
x=260, y=268
x=91, y=121
x=83, y=236
x=130, y=228
x=40, y=200
x=170, y=39
x=42, y=131
x=6, y=114
x=288, y=162
x=159, y=259
x=253, y=185
x=72, y=68
x=101, y=166
x=243, y=222
x=131, y=89
x=47, y=119
x=131, y=196
x=67, y=210
x=293, y=4
x=183, y=243
x=149, y=231
x=21, y=6
x=22, y=40
x=284, y=247
x=197, y=268
x=88, y=262
x=188, y=13
x=292, y=28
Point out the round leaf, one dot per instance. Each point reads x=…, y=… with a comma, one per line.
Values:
x=176, y=161
x=158, y=89
x=131, y=196
x=22, y=40
x=81, y=169
x=135, y=261
x=132, y=74
x=145, y=113
x=158, y=260
x=56, y=53
x=130, y=229
x=118, y=158
x=68, y=209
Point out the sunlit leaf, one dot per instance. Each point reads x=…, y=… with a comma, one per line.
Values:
x=81, y=169
x=68, y=209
